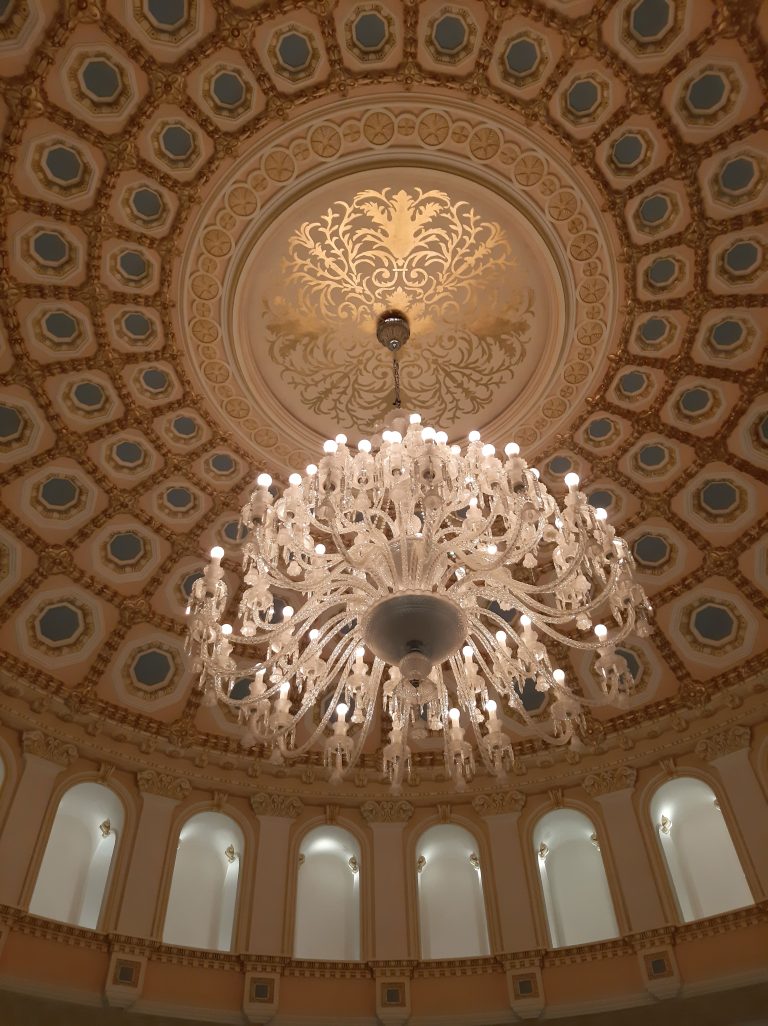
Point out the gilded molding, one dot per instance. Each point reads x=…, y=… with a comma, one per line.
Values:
x=499, y=803
x=386, y=811
x=607, y=780
x=724, y=743
x=265, y=804
x=35, y=742
x=165, y=784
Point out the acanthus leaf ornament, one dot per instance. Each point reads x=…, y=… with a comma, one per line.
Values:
x=386, y=811
x=164, y=784
x=267, y=804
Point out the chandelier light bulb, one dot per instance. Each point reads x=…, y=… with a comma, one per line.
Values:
x=415, y=418
x=536, y=473
x=429, y=544
x=572, y=480
x=341, y=438
x=600, y=513
x=341, y=710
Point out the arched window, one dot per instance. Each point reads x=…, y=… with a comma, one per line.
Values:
x=703, y=866
x=452, y=921
x=74, y=872
x=201, y=905
x=327, y=923
x=573, y=881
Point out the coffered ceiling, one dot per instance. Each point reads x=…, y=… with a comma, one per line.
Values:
x=205, y=205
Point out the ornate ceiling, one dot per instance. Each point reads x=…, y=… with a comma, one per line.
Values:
x=204, y=206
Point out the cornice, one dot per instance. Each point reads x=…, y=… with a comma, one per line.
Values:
x=19, y=921
x=236, y=775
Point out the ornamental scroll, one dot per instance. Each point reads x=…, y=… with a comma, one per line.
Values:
x=499, y=803
x=604, y=781
x=724, y=743
x=265, y=804
x=163, y=784
x=386, y=811
x=35, y=742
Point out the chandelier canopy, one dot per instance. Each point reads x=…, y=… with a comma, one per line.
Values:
x=421, y=580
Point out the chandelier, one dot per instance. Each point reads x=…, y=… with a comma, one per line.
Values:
x=418, y=583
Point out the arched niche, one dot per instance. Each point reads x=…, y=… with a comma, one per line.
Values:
x=201, y=905
x=452, y=919
x=74, y=872
x=575, y=887
x=703, y=866
x=327, y=920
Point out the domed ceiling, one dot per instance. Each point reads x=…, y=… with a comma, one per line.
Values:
x=205, y=206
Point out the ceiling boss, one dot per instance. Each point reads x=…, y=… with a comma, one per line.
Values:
x=422, y=583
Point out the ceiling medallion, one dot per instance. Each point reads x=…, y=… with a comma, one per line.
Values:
x=453, y=269
x=445, y=569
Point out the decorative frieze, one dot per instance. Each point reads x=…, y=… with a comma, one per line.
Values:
x=604, y=781
x=386, y=811
x=498, y=803
x=266, y=804
x=724, y=743
x=165, y=784
x=35, y=742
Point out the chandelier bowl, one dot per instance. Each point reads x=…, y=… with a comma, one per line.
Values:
x=414, y=631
